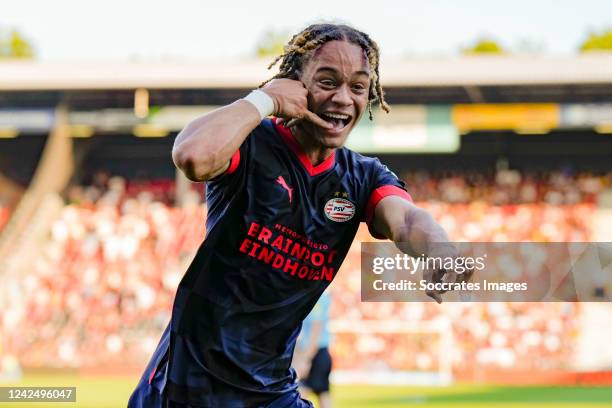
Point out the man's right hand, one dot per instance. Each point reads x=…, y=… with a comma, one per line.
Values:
x=291, y=101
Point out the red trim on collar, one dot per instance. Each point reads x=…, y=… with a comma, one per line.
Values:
x=295, y=146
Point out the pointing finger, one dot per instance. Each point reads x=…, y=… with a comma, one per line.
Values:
x=428, y=275
x=450, y=277
x=435, y=295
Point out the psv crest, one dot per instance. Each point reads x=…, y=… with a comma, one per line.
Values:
x=339, y=209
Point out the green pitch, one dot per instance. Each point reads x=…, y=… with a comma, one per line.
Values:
x=109, y=392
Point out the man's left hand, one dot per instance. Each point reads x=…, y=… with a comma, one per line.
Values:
x=444, y=251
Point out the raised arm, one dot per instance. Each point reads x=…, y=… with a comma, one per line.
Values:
x=416, y=233
x=203, y=149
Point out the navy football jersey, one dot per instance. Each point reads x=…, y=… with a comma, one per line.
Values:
x=278, y=229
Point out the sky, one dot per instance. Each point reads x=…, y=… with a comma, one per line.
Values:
x=192, y=30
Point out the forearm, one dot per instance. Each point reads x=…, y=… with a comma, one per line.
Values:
x=418, y=232
x=204, y=147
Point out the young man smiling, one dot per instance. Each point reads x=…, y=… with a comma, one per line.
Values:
x=285, y=200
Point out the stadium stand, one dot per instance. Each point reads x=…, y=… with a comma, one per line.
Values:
x=10, y=194
x=121, y=253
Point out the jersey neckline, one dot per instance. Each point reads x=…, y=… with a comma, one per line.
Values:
x=289, y=139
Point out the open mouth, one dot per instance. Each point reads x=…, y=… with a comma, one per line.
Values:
x=338, y=120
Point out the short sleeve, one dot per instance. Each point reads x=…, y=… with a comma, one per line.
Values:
x=385, y=183
x=234, y=163
x=237, y=161
x=221, y=189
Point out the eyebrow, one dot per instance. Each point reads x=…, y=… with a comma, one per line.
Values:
x=333, y=70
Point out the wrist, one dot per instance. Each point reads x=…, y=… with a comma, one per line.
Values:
x=263, y=102
x=275, y=104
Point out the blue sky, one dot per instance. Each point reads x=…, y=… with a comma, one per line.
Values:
x=197, y=30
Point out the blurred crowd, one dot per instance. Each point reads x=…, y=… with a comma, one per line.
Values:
x=521, y=336
x=504, y=187
x=501, y=334
x=101, y=291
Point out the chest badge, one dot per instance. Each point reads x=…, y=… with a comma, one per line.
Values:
x=339, y=209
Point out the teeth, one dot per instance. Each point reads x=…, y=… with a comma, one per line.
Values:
x=337, y=116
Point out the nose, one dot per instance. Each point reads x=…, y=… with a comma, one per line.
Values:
x=342, y=96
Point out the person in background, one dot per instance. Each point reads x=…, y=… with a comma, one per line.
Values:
x=312, y=360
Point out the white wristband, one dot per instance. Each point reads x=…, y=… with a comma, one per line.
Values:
x=262, y=102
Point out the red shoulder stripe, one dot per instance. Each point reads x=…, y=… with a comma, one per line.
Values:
x=379, y=194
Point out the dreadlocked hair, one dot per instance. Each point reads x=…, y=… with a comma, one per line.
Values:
x=298, y=51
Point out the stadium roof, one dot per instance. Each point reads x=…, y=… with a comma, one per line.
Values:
x=424, y=72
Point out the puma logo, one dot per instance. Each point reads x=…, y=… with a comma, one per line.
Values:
x=280, y=180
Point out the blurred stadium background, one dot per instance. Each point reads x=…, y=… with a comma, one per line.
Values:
x=97, y=226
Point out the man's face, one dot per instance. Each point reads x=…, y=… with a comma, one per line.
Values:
x=337, y=77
